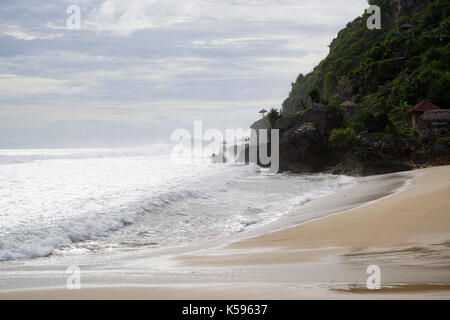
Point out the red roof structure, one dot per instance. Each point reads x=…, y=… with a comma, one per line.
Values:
x=423, y=106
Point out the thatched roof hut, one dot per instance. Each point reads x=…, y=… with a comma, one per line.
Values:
x=348, y=103
x=436, y=115
x=418, y=110
x=406, y=26
x=423, y=106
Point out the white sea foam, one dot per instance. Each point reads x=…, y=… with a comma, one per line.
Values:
x=12, y=156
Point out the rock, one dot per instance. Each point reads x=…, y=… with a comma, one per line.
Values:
x=367, y=139
x=441, y=149
x=441, y=153
x=365, y=162
x=351, y=113
x=302, y=149
x=406, y=146
x=319, y=117
x=285, y=123
x=389, y=148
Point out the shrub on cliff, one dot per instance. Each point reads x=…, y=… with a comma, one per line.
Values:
x=343, y=139
x=443, y=140
x=314, y=94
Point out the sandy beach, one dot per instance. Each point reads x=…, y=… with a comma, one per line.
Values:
x=406, y=234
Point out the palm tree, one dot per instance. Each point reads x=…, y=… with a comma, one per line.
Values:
x=272, y=117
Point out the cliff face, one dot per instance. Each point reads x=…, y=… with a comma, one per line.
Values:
x=404, y=7
x=361, y=60
x=379, y=74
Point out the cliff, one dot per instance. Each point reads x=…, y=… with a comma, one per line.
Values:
x=349, y=114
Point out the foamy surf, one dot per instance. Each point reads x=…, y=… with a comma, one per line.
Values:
x=130, y=198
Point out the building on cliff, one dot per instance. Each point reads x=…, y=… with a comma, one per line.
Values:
x=436, y=118
x=418, y=110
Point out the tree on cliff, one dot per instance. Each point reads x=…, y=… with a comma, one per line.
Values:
x=314, y=94
x=272, y=117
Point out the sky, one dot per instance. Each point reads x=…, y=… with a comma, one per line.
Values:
x=136, y=70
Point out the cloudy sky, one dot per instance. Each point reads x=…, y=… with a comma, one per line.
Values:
x=138, y=69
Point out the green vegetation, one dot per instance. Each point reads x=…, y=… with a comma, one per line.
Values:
x=384, y=71
x=314, y=94
x=300, y=113
x=343, y=139
x=443, y=140
x=334, y=108
x=273, y=116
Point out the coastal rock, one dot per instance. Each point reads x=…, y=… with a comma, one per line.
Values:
x=369, y=162
x=399, y=147
x=302, y=149
x=441, y=149
x=285, y=123
x=317, y=115
x=406, y=146
x=441, y=153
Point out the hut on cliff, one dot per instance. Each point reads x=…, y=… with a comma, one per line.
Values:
x=405, y=27
x=404, y=31
x=349, y=104
x=436, y=118
x=418, y=110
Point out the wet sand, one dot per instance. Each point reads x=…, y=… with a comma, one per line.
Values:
x=418, y=215
x=232, y=291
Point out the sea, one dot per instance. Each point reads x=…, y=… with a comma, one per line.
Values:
x=71, y=201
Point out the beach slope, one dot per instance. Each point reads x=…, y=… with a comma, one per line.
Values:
x=406, y=234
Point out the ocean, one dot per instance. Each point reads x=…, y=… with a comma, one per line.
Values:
x=71, y=201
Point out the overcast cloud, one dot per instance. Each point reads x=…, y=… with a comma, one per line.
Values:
x=137, y=69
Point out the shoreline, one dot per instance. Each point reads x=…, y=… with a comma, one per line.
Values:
x=339, y=234
x=323, y=258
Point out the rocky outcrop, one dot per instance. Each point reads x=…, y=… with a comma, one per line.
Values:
x=303, y=140
x=364, y=162
x=400, y=7
x=441, y=153
x=304, y=145
x=303, y=149
x=376, y=155
x=373, y=134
